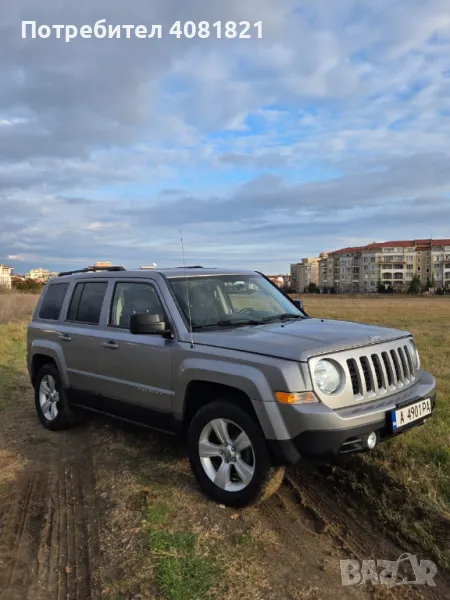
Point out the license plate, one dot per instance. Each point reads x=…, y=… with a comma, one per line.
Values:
x=410, y=413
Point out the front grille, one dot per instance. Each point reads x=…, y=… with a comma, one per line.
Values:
x=381, y=372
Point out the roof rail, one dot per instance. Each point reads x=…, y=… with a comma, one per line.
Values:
x=190, y=267
x=92, y=270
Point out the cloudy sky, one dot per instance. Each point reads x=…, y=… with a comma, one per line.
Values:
x=331, y=130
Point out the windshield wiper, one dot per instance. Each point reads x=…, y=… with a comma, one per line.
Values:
x=243, y=321
x=229, y=322
x=282, y=317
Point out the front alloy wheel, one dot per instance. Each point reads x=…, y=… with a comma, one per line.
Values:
x=229, y=456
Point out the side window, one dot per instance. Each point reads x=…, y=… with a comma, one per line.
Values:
x=134, y=298
x=53, y=301
x=86, y=303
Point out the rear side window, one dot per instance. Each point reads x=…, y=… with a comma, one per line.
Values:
x=86, y=303
x=53, y=301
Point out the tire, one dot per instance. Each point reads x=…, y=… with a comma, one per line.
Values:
x=237, y=477
x=60, y=415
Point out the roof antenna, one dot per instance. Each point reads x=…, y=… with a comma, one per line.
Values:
x=187, y=291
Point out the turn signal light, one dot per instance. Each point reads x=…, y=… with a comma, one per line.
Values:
x=295, y=398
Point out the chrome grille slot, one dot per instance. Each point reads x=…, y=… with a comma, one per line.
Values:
x=354, y=376
x=410, y=362
x=397, y=369
x=378, y=371
x=404, y=363
x=367, y=373
x=388, y=367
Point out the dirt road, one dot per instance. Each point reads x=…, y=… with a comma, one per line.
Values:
x=71, y=521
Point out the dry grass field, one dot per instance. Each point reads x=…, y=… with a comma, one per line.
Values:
x=16, y=306
x=145, y=530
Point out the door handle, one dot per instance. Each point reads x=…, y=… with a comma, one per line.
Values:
x=110, y=345
x=64, y=337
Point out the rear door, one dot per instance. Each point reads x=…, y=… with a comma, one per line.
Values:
x=136, y=369
x=80, y=334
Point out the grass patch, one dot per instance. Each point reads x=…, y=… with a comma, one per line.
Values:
x=13, y=348
x=181, y=573
x=157, y=515
x=177, y=544
x=244, y=540
x=186, y=577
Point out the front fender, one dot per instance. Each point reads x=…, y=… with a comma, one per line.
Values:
x=247, y=379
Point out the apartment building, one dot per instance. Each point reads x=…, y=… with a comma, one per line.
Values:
x=40, y=274
x=359, y=269
x=304, y=273
x=280, y=281
x=5, y=276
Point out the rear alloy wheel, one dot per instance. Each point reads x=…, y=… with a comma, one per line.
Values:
x=229, y=456
x=48, y=397
x=52, y=406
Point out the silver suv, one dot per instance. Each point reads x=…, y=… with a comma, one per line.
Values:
x=228, y=361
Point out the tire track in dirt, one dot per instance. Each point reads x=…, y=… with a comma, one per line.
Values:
x=356, y=537
x=48, y=529
x=310, y=562
x=20, y=532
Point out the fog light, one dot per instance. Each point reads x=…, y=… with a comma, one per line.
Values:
x=372, y=440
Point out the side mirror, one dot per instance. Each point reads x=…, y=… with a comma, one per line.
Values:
x=147, y=324
x=299, y=304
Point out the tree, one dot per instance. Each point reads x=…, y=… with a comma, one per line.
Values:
x=333, y=290
x=415, y=285
x=28, y=285
x=312, y=288
x=380, y=287
x=288, y=288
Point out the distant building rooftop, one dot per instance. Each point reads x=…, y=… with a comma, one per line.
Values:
x=395, y=244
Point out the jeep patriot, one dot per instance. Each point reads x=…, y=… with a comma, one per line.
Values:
x=226, y=360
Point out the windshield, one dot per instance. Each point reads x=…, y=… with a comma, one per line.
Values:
x=231, y=300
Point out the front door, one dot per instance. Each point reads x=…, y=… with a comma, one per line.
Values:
x=136, y=369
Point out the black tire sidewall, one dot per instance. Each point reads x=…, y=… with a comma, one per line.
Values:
x=229, y=410
x=64, y=416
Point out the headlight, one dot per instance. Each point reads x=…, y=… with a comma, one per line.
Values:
x=327, y=376
x=414, y=354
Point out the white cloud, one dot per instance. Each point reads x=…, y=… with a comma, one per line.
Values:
x=350, y=98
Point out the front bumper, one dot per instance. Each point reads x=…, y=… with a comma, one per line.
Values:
x=325, y=433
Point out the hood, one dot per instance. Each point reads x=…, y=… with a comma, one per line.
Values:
x=298, y=340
